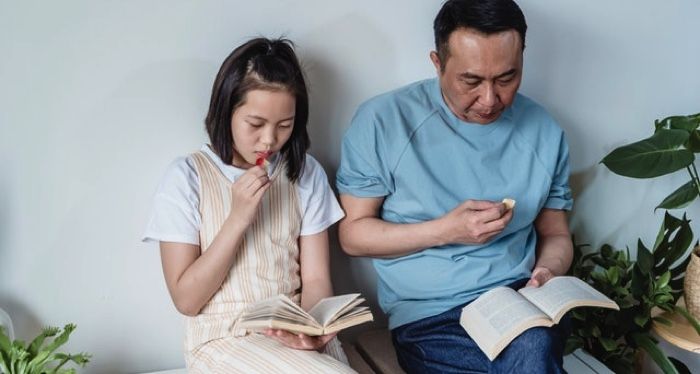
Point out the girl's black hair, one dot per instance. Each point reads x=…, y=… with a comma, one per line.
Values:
x=260, y=63
x=485, y=16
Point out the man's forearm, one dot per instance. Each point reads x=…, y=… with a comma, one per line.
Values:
x=555, y=252
x=373, y=237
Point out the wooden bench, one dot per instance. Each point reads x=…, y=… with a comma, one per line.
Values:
x=377, y=350
x=373, y=353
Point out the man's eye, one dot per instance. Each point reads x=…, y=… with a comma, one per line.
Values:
x=505, y=80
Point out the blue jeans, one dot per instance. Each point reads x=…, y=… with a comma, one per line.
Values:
x=439, y=344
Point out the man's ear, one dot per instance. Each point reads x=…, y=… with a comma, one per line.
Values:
x=436, y=62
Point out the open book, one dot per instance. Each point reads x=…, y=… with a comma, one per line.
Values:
x=498, y=316
x=329, y=315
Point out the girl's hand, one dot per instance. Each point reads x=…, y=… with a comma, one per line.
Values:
x=246, y=194
x=300, y=341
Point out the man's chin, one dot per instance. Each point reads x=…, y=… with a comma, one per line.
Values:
x=483, y=119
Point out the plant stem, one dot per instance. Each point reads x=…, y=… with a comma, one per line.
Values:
x=694, y=177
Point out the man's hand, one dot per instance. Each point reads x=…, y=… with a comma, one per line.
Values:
x=476, y=221
x=540, y=276
x=300, y=341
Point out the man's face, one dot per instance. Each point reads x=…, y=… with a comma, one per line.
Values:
x=482, y=73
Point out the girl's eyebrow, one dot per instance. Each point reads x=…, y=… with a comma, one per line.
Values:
x=252, y=116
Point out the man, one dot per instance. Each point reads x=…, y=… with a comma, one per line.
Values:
x=424, y=171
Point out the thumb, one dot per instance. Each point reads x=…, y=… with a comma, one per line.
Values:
x=533, y=282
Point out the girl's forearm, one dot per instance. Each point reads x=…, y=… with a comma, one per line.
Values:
x=312, y=292
x=200, y=281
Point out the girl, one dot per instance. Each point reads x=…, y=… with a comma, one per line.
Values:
x=232, y=232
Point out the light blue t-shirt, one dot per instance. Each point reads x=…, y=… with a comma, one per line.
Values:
x=408, y=147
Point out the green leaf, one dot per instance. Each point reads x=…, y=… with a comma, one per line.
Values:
x=680, y=245
x=650, y=347
x=680, y=198
x=693, y=143
x=663, y=280
x=657, y=155
x=608, y=344
x=36, y=344
x=687, y=123
x=671, y=222
x=5, y=343
x=645, y=260
x=641, y=320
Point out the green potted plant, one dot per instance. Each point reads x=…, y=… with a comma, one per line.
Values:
x=673, y=147
x=40, y=356
x=654, y=281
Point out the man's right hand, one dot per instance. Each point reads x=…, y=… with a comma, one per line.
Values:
x=475, y=221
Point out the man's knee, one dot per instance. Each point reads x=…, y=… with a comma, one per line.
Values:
x=537, y=342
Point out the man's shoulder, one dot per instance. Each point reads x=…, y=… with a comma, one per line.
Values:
x=529, y=115
x=415, y=96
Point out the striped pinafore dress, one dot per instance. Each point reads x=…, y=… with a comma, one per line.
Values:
x=266, y=264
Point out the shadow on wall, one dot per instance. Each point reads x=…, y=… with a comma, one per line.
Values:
x=26, y=324
x=338, y=78
x=607, y=208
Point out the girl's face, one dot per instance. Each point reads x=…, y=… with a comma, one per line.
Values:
x=262, y=125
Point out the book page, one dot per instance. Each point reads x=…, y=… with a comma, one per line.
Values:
x=355, y=317
x=498, y=316
x=561, y=294
x=278, y=307
x=329, y=308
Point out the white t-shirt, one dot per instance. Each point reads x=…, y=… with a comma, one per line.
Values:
x=175, y=214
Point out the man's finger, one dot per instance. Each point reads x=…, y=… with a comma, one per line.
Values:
x=480, y=204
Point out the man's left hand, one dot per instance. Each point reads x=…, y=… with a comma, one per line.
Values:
x=539, y=277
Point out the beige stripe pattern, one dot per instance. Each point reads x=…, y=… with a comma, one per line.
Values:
x=266, y=264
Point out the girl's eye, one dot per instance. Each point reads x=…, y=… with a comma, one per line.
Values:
x=255, y=124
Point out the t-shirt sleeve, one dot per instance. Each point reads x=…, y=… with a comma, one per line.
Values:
x=364, y=170
x=560, y=192
x=320, y=208
x=175, y=212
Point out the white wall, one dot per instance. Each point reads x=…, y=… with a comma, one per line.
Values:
x=97, y=97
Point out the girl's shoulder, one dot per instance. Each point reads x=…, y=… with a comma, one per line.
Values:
x=313, y=173
x=182, y=169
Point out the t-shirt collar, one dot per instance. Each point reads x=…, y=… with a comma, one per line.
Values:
x=231, y=172
x=464, y=126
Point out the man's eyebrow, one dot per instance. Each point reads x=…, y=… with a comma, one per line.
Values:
x=509, y=72
x=470, y=76
x=475, y=76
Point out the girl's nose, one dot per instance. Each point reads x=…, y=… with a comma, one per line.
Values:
x=268, y=136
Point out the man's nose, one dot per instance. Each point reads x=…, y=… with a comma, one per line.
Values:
x=488, y=95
